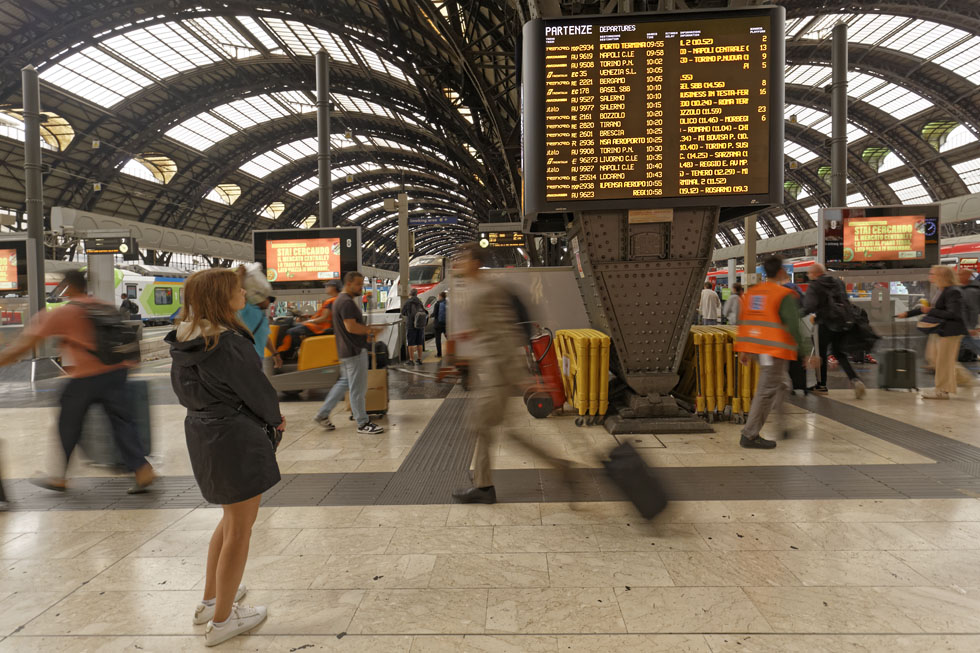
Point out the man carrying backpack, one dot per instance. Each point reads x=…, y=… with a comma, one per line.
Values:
x=84, y=352
x=826, y=299
x=128, y=308
x=493, y=335
x=417, y=319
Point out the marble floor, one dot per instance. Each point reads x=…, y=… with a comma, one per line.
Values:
x=895, y=575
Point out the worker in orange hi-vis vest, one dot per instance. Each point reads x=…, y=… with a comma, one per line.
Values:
x=769, y=329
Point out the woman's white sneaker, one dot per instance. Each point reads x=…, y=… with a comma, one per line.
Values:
x=205, y=613
x=242, y=619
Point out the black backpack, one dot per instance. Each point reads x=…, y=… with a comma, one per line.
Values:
x=420, y=319
x=115, y=341
x=841, y=314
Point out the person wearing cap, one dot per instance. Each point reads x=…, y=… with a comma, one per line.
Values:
x=255, y=314
x=320, y=324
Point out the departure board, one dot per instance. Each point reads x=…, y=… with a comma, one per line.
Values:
x=653, y=110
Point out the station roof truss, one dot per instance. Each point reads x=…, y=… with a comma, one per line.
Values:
x=201, y=115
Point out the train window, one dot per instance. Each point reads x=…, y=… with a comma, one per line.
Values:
x=131, y=291
x=180, y=296
x=424, y=274
x=163, y=296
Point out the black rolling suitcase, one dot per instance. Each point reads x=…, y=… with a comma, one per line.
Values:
x=629, y=471
x=896, y=369
x=797, y=375
x=97, y=441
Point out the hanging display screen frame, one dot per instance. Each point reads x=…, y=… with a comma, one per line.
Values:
x=841, y=229
x=534, y=112
x=350, y=253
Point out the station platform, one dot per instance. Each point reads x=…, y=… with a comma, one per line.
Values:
x=861, y=531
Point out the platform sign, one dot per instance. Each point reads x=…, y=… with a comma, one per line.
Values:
x=653, y=110
x=429, y=220
x=502, y=239
x=124, y=245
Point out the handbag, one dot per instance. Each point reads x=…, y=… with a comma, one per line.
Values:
x=930, y=324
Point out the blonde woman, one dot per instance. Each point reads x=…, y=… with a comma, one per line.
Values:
x=230, y=405
x=946, y=314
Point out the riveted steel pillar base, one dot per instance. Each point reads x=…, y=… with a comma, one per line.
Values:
x=640, y=281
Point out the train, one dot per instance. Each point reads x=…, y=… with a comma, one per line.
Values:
x=963, y=252
x=427, y=274
x=157, y=290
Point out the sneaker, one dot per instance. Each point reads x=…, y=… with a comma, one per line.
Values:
x=756, y=443
x=820, y=389
x=477, y=495
x=242, y=619
x=859, y=389
x=205, y=613
x=870, y=360
x=370, y=429
x=938, y=394
x=324, y=422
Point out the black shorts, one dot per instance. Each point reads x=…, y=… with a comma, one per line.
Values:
x=416, y=337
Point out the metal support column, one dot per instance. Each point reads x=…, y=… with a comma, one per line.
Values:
x=33, y=186
x=838, y=116
x=750, y=237
x=403, y=247
x=323, y=137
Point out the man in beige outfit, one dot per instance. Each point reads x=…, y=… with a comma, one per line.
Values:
x=494, y=340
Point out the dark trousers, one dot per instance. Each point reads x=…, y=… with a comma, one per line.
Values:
x=294, y=338
x=109, y=390
x=440, y=330
x=834, y=340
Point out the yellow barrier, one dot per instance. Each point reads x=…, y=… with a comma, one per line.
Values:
x=584, y=359
x=711, y=378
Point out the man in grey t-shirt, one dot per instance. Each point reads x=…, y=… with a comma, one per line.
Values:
x=352, y=339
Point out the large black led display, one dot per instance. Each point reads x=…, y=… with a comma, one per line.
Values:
x=653, y=110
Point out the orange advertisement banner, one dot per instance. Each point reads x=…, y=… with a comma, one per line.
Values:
x=8, y=269
x=892, y=238
x=314, y=259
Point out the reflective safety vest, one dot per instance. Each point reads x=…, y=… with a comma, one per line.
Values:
x=321, y=328
x=760, y=330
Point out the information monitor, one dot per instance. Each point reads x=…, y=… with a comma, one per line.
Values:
x=13, y=267
x=304, y=259
x=653, y=110
x=881, y=237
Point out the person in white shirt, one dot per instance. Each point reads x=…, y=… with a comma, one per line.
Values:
x=733, y=307
x=710, y=307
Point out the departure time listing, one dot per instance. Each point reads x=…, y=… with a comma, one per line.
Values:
x=657, y=109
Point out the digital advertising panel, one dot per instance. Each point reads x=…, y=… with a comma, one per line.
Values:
x=304, y=259
x=13, y=267
x=881, y=237
x=653, y=110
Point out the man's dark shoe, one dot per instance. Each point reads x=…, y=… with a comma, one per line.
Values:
x=477, y=495
x=756, y=443
x=819, y=389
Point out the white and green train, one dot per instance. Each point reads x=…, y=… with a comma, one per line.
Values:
x=156, y=289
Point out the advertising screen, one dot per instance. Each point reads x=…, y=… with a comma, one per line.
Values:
x=304, y=259
x=881, y=237
x=891, y=238
x=8, y=269
x=314, y=259
x=651, y=110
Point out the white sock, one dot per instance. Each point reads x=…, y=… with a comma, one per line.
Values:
x=221, y=624
x=208, y=602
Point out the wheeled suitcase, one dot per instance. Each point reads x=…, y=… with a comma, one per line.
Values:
x=797, y=375
x=629, y=471
x=97, y=441
x=897, y=369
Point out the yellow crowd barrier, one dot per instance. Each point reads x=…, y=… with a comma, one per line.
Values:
x=711, y=378
x=583, y=355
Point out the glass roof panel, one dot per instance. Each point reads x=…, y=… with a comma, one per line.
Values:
x=124, y=63
x=890, y=162
x=304, y=187
x=799, y=153
x=949, y=47
x=910, y=190
x=820, y=121
x=136, y=169
x=857, y=199
x=270, y=161
x=891, y=98
x=959, y=137
x=813, y=211
x=969, y=171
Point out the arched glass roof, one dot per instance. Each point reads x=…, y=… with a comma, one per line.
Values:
x=210, y=127
x=122, y=65
x=949, y=47
x=895, y=100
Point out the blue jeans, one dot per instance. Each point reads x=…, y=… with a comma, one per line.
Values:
x=353, y=377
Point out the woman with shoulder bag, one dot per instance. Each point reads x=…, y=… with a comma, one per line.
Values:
x=232, y=428
x=943, y=321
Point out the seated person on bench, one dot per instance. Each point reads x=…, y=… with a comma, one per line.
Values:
x=318, y=325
